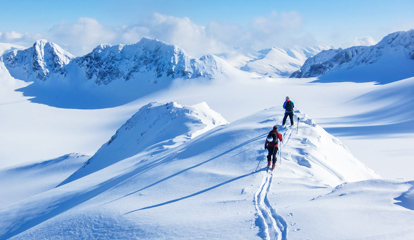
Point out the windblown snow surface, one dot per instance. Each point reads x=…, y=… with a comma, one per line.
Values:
x=188, y=162
x=215, y=186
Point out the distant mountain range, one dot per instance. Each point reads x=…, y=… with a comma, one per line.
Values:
x=150, y=65
x=389, y=60
x=149, y=58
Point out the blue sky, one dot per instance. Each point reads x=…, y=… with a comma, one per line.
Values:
x=201, y=27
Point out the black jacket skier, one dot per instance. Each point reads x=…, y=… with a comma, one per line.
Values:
x=288, y=106
x=272, y=145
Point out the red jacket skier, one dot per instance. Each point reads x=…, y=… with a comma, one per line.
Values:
x=272, y=145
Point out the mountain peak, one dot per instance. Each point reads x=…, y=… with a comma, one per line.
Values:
x=41, y=42
x=387, y=61
x=402, y=39
x=37, y=62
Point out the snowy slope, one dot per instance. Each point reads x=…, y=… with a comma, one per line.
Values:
x=389, y=60
x=214, y=187
x=280, y=62
x=389, y=110
x=154, y=128
x=21, y=182
x=211, y=186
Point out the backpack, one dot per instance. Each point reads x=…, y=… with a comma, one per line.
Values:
x=289, y=106
x=272, y=138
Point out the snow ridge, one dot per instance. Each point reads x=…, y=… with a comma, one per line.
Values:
x=155, y=180
x=398, y=45
x=155, y=128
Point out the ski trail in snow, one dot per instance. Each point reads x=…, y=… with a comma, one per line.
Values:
x=286, y=137
x=271, y=225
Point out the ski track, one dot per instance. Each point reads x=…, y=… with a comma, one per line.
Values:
x=272, y=226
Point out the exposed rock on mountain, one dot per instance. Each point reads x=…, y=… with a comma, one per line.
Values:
x=392, y=56
x=145, y=59
x=38, y=62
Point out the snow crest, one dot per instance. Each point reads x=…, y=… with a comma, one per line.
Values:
x=154, y=128
x=394, y=53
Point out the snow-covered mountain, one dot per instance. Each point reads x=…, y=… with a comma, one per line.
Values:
x=280, y=62
x=110, y=75
x=213, y=186
x=390, y=60
x=146, y=59
x=182, y=172
x=39, y=62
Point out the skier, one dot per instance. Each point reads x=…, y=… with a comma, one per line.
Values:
x=288, y=106
x=272, y=146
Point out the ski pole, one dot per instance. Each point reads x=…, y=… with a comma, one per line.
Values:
x=280, y=154
x=297, y=130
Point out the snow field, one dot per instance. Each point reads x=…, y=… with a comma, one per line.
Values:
x=208, y=185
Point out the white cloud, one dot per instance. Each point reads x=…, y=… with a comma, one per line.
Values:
x=23, y=39
x=277, y=29
x=277, y=23
x=194, y=39
x=364, y=41
x=358, y=41
x=81, y=36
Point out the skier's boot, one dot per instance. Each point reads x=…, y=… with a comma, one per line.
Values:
x=274, y=164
